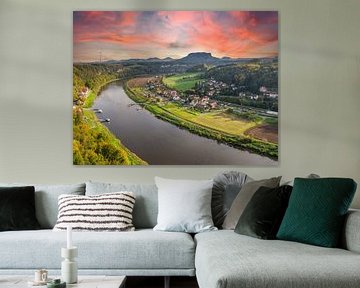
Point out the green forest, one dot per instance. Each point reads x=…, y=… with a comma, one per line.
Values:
x=250, y=75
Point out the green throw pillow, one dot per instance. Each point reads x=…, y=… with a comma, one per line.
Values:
x=316, y=211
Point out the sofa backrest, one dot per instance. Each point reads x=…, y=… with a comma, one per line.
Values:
x=46, y=200
x=146, y=203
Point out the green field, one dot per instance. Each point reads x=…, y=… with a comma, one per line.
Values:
x=216, y=120
x=183, y=82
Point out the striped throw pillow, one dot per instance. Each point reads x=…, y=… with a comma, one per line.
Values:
x=105, y=212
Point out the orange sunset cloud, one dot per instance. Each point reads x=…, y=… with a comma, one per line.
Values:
x=123, y=35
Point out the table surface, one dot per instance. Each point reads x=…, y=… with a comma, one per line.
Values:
x=84, y=281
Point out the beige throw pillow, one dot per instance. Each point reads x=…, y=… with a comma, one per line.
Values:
x=104, y=212
x=243, y=198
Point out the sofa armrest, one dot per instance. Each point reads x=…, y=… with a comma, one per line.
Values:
x=351, y=234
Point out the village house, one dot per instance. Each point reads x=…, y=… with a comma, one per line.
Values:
x=213, y=104
x=272, y=94
x=267, y=92
x=84, y=91
x=194, y=101
x=173, y=93
x=272, y=113
x=263, y=89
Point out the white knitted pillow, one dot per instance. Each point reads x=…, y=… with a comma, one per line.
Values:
x=105, y=212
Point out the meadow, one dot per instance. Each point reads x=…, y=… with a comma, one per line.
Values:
x=183, y=82
x=217, y=120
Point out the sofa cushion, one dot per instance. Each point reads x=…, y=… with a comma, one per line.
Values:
x=17, y=208
x=146, y=205
x=225, y=189
x=184, y=205
x=143, y=249
x=263, y=215
x=350, y=239
x=46, y=200
x=225, y=259
x=317, y=209
x=105, y=212
x=243, y=198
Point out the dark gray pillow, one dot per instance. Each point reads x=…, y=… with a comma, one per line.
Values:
x=263, y=215
x=17, y=209
x=243, y=198
x=226, y=187
x=46, y=200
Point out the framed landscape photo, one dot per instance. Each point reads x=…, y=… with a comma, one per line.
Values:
x=175, y=88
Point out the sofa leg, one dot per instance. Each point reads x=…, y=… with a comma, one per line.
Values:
x=167, y=282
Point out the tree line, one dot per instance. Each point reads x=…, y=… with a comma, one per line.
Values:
x=250, y=76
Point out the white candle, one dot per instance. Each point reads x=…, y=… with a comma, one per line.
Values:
x=69, y=239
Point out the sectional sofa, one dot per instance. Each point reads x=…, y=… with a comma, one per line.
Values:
x=219, y=259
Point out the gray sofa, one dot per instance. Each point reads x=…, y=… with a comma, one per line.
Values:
x=218, y=259
x=226, y=259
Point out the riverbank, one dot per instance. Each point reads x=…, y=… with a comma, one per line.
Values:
x=89, y=102
x=93, y=143
x=179, y=119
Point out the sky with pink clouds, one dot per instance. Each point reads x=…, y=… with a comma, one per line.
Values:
x=123, y=35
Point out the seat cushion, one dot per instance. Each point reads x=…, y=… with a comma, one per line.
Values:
x=226, y=259
x=146, y=204
x=46, y=200
x=351, y=236
x=144, y=249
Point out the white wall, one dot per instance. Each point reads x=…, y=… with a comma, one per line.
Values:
x=319, y=88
